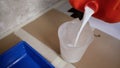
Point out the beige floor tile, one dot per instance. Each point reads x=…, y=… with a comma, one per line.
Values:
x=45, y=28
x=8, y=42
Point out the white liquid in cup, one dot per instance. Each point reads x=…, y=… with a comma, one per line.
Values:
x=67, y=33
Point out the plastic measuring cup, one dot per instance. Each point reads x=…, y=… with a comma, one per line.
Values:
x=67, y=34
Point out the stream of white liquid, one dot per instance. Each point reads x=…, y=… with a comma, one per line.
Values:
x=87, y=14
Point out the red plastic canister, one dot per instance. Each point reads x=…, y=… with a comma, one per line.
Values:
x=109, y=10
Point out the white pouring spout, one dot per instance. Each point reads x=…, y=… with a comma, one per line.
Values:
x=90, y=8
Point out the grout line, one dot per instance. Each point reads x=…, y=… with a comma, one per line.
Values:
x=43, y=49
x=18, y=26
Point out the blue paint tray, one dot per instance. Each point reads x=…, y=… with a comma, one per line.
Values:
x=23, y=55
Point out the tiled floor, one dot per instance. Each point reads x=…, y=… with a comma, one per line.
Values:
x=45, y=28
x=102, y=53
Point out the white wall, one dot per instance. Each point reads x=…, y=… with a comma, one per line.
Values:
x=15, y=12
